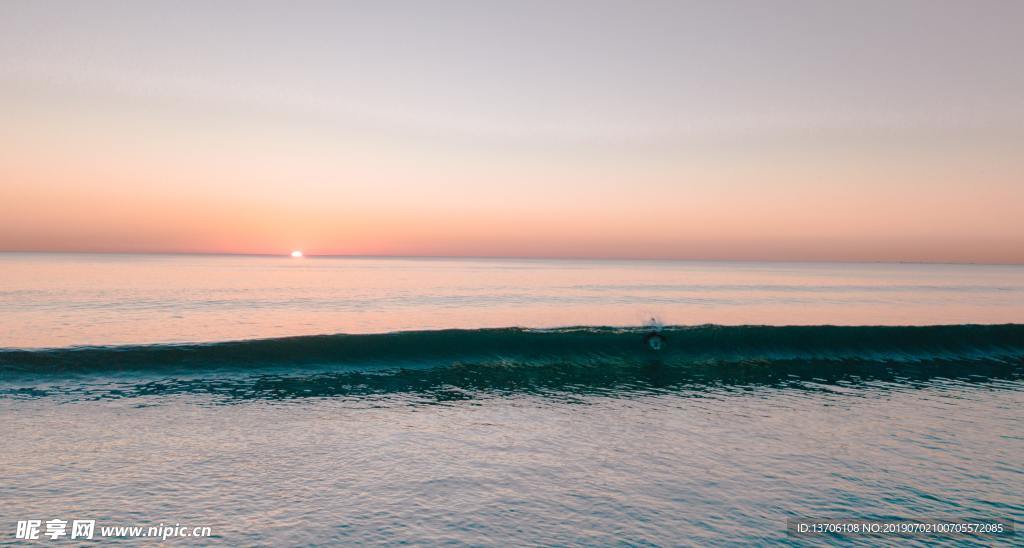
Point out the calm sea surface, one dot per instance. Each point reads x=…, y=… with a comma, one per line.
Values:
x=285, y=401
x=65, y=300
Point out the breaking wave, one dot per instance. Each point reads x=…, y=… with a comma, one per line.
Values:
x=707, y=344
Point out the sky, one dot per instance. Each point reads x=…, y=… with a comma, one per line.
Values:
x=750, y=130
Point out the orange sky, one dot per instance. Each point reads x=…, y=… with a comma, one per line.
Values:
x=457, y=136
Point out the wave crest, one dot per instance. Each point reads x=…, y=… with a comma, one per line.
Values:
x=706, y=344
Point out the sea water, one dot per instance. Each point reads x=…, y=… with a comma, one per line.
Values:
x=500, y=401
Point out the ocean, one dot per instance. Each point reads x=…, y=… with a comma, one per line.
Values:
x=323, y=400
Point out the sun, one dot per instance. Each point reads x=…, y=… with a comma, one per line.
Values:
x=297, y=254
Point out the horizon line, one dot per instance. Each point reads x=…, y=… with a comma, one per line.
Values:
x=286, y=254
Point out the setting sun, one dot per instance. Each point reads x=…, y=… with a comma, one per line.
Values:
x=297, y=254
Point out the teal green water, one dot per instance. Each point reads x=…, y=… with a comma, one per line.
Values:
x=529, y=435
